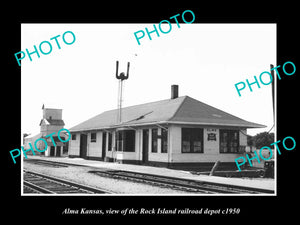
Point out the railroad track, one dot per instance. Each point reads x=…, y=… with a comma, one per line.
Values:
x=49, y=163
x=181, y=184
x=161, y=181
x=43, y=184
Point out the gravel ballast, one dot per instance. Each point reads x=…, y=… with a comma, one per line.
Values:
x=81, y=175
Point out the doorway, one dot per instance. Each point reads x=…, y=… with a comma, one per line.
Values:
x=103, y=145
x=83, y=146
x=58, y=148
x=145, y=145
x=52, y=150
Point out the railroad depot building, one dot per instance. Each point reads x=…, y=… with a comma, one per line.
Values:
x=176, y=132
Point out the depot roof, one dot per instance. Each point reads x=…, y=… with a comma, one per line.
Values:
x=181, y=110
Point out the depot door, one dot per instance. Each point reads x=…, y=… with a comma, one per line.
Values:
x=83, y=146
x=103, y=145
x=58, y=149
x=52, y=150
x=145, y=145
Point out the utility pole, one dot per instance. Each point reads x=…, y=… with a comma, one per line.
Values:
x=273, y=87
x=121, y=77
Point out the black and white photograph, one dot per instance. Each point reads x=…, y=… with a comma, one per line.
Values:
x=137, y=112
x=158, y=117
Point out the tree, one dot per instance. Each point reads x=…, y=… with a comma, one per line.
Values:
x=250, y=140
x=263, y=139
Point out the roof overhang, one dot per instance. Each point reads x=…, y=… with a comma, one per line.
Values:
x=159, y=123
x=219, y=124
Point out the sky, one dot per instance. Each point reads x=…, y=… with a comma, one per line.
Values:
x=205, y=60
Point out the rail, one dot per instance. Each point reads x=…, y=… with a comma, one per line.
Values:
x=44, y=184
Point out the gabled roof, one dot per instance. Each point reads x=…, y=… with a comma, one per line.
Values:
x=196, y=112
x=52, y=122
x=62, y=135
x=181, y=110
x=33, y=136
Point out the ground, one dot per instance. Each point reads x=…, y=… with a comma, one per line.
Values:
x=82, y=175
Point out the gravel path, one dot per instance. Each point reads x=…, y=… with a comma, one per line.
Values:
x=82, y=176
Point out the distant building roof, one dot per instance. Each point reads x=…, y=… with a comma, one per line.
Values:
x=52, y=122
x=63, y=135
x=181, y=110
x=33, y=136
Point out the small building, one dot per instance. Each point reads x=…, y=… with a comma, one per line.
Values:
x=50, y=123
x=176, y=132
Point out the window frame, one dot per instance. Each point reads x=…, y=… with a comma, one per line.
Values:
x=228, y=142
x=95, y=138
x=164, y=139
x=154, y=140
x=189, y=137
x=109, y=141
x=123, y=141
x=119, y=141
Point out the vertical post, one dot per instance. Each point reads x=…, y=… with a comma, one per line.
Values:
x=121, y=99
x=217, y=163
x=273, y=84
x=120, y=77
x=118, y=106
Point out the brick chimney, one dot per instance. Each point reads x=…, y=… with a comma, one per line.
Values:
x=174, y=91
